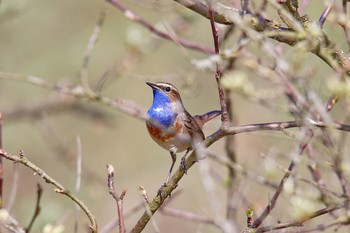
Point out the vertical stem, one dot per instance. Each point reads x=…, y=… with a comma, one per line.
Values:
x=218, y=74
x=230, y=149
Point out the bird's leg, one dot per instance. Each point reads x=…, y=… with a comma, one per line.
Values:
x=173, y=157
x=183, y=161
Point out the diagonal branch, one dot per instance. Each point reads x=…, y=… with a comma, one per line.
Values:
x=306, y=139
x=37, y=208
x=126, y=106
x=59, y=188
x=299, y=222
x=138, y=19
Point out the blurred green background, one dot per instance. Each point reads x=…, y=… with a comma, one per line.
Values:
x=47, y=39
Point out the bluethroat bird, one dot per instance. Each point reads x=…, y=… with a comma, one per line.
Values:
x=171, y=126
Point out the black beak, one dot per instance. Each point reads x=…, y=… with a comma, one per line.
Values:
x=153, y=85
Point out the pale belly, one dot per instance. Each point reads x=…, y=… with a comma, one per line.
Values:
x=174, y=139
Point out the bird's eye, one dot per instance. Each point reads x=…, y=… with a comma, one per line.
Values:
x=167, y=89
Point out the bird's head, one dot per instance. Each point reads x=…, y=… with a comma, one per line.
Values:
x=166, y=92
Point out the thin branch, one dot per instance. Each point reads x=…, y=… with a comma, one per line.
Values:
x=56, y=105
x=299, y=222
x=136, y=18
x=345, y=27
x=78, y=181
x=307, y=137
x=115, y=222
x=59, y=188
x=90, y=47
x=12, y=197
x=245, y=6
x=126, y=106
x=118, y=198
x=325, y=14
x=144, y=194
x=316, y=175
x=218, y=73
x=37, y=207
x=249, y=214
x=188, y=216
x=202, y=9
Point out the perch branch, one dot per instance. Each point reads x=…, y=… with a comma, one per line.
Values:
x=157, y=202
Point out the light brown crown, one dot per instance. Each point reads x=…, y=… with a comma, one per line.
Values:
x=168, y=89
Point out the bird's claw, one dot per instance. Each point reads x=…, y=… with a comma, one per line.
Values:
x=183, y=165
x=160, y=190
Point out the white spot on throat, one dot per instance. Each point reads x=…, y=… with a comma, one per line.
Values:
x=159, y=109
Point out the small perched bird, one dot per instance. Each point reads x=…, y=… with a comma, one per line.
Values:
x=170, y=125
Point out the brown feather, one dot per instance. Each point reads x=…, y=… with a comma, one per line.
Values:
x=203, y=119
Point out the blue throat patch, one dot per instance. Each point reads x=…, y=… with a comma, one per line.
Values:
x=160, y=110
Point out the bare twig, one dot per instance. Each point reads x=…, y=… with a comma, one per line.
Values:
x=14, y=189
x=118, y=198
x=37, y=208
x=78, y=181
x=144, y=194
x=245, y=6
x=59, y=188
x=295, y=161
x=224, y=114
x=90, y=47
x=299, y=222
x=188, y=216
x=136, y=18
x=202, y=9
x=58, y=104
x=346, y=28
x=129, y=107
x=115, y=222
x=249, y=214
x=325, y=13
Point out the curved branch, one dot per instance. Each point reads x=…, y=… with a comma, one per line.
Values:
x=60, y=189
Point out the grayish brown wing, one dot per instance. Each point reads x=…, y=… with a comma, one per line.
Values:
x=192, y=126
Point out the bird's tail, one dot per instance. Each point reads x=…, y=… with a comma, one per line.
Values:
x=203, y=119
